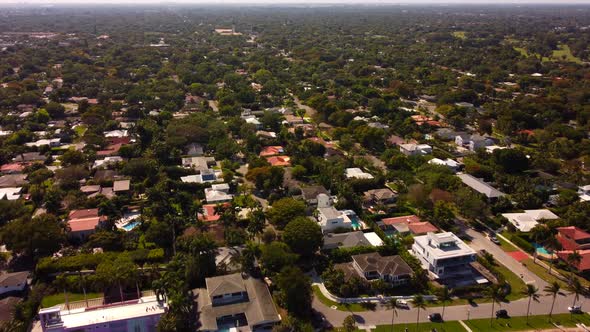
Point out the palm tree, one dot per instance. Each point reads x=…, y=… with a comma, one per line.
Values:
x=552, y=289
x=539, y=234
x=574, y=259
x=495, y=294
x=532, y=292
x=445, y=295
x=393, y=305
x=576, y=288
x=419, y=304
x=552, y=245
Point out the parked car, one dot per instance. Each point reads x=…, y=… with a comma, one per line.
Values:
x=502, y=313
x=577, y=309
x=493, y=238
x=435, y=317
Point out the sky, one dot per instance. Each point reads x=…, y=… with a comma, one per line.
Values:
x=48, y=2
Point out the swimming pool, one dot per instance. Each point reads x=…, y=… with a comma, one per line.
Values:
x=131, y=225
x=354, y=219
x=540, y=249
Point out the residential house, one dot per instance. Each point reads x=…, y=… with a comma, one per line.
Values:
x=351, y=240
x=310, y=194
x=480, y=186
x=293, y=120
x=406, y=225
x=279, y=161
x=473, y=142
x=443, y=254
x=208, y=175
x=83, y=223
x=357, y=173
x=110, y=160
x=121, y=186
x=209, y=214
x=373, y=266
x=14, y=283
x=218, y=193
x=383, y=196
x=198, y=163
x=28, y=157
x=268, y=151
x=449, y=163
x=411, y=149
x=13, y=180
x=584, y=263
x=525, y=221
x=140, y=315
x=194, y=150
x=233, y=301
x=12, y=168
x=329, y=218
x=584, y=193
x=266, y=134
x=10, y=193
x=573, y=238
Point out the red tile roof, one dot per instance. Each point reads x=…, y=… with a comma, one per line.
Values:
x=84, y=224
x=81, y=214
x=271, y=151
x=209, y=214
x=568, y=236
x=12, y=168
x=110, y=150
x=279, y=160
x=584, y=264
x=415, y=224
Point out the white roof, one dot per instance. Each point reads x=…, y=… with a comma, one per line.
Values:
x=10, y=193
x=357, y=173
x=116, y=133
x=525, y=221
x=374, y=239
x=458, y=250
x=447, y=162
x=75, y=318
x=541, y=214
x=480, y=186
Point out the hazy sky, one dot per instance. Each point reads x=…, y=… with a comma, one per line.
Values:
x=47, y=2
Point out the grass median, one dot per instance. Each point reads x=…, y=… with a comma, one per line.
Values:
x=354, y=307
x=520, y=323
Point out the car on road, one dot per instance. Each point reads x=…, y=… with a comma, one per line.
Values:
x=492, y=237
x=502, y=313
x=435, y=317
x=577, y=309
x=402, y=304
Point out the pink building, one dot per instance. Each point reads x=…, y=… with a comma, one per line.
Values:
x=141, y=315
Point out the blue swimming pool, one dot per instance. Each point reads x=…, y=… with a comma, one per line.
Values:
x=131, y=225
x=540, y=249
x=355, y=221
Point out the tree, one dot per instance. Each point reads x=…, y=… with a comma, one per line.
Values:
x=575, y=288
x=295, y=291
x=256, y=222
x=349, y=324
x=122, y=272
x=419, y=303
x=304, y=236
x=552, y=289
x=39, y=237
x=276, y=255
x=511, y=160
x=532, y=293
x=393, y=305
x=444, y=296
x=494, y=293
x=574, y=259
x=284, y=210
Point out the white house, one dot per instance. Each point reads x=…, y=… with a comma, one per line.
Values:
x=584, y=192
x=524, y=222
x=357, y=173
x=443, y=254
x=329, y=218
x=411, y=149
x=218, y=193
x=450, y=163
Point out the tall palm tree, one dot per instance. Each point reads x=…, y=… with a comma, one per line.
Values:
x=393, y=305
x=419, y=303
x=552, y=289
x=532, y=292
x=495, y=294
x=574, y=259
x=539, y=234
x=445, y=295
x=576, y=288
x=552, y=245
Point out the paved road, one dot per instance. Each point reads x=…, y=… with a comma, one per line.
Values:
x=382, y=316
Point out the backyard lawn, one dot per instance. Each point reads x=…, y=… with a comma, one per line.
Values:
x=55, y=299
x=520, y=324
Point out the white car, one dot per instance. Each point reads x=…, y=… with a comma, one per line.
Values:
x=577, y=309
x=402, y=303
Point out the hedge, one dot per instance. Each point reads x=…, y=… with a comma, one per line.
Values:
x=522, y=243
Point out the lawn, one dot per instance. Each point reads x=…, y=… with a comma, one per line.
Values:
x=515, y=282
x=55, y=299
x=520, y=324
x=452, y=326
x=564, y=53
x=541, y=272
x=340, y=306
x=80, y=130
x=506, y=246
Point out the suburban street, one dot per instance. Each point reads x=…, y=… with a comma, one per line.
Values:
x=382, y=316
